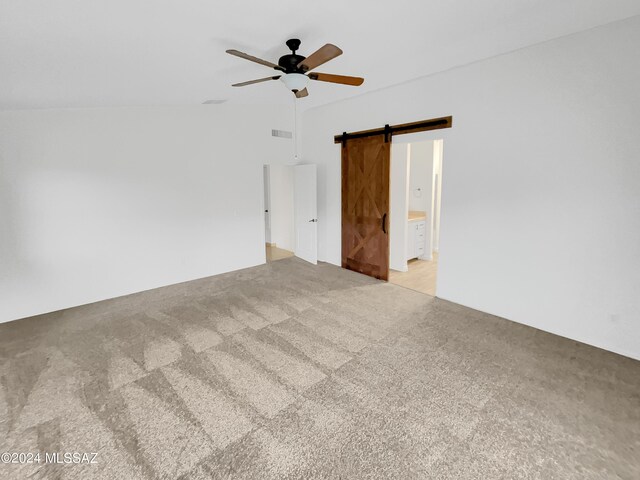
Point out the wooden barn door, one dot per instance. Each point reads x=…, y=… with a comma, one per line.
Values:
x=365, y=205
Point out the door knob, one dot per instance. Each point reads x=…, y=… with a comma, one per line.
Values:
x=313, y=220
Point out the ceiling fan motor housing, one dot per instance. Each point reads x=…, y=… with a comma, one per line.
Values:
x=290, y=62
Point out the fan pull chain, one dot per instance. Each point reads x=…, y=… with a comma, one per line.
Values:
x=295, y=129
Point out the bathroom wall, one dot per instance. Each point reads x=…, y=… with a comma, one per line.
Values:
x=421, y=187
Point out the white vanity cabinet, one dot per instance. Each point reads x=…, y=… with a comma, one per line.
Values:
x=416, y=238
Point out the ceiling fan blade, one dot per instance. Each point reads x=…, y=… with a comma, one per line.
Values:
x=302, y=93
x=344, y=79
x=320, y=56
x=251, y=58
x=251, y=82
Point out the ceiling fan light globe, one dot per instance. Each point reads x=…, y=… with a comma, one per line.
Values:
x=295, y=81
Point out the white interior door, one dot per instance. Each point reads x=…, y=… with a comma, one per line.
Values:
x=306, y=212
x=267, y=204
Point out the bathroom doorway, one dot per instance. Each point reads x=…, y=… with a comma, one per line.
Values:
x=416, y=186
x=375, y=199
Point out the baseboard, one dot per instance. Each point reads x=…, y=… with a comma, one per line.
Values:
x=13, y=317
x=606, y=346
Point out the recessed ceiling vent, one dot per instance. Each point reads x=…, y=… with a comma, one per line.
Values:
x=281, y=134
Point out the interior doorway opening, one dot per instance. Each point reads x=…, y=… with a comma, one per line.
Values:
x=415, y=199
x=279, y=211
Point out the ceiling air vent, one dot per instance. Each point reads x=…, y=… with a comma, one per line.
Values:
x=281, y=134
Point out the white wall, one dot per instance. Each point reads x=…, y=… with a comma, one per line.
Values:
x=99, y=203
x=282, y=228
x=398, y=206
x=540, y=197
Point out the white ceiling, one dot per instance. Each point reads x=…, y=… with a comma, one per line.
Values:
x=93, y=53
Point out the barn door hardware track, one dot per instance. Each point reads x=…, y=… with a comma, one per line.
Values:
x=389, y=130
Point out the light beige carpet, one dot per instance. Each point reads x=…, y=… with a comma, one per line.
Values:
x=293, y=371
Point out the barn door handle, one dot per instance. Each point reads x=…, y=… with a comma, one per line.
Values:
x=384, y=222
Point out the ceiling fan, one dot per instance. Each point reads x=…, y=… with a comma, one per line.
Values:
x=296, y=69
